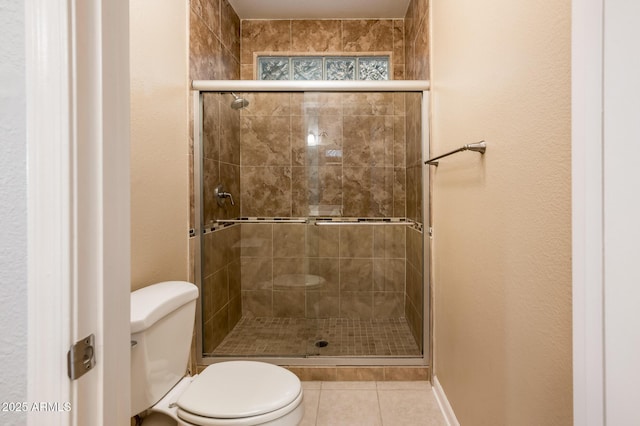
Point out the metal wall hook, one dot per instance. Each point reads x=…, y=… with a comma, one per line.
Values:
x=480, y=147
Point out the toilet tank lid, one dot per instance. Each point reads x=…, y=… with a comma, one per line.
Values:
x=150, y=304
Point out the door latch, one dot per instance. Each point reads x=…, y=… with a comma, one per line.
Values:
x=81, y=357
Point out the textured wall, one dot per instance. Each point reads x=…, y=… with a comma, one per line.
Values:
x=502, y=221
x=159, y=142
x=13, y=207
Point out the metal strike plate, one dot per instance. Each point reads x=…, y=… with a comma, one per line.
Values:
x=81, y=357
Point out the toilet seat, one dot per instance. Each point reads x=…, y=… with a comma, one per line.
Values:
x=239, y=393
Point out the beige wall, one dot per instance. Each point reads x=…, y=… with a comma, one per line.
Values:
x=502, y=221
x=159, y=141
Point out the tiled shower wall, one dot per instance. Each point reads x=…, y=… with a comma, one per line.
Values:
x=220, y=156
x=416, y=27
x=293, y=181
x=214, y=41
x=355, y=272
x=214, y=54
x=330, y=36
x=416, y=31
x=355, y=167
x=415, y=296
x=221, y=297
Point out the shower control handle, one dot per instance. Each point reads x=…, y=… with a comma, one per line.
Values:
x=221, y=194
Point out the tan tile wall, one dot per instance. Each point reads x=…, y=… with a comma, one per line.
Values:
x=414, y=294
x=416, y=46
x=214, y=41
x=417, y=68
x=282, y=176
x=415, y=258
x=220, y=155
x=379, y=174
x=362, y=268
x=333, y=37
x=221, y=297
x=214, y=53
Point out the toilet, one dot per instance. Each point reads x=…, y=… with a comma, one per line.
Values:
x=230, y=393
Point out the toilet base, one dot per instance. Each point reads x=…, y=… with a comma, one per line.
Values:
x=165, y=412
x=158, y=419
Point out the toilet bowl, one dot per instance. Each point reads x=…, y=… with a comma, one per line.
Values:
x=231, y=393
x=234, y=393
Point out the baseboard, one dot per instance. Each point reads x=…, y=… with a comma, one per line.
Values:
x=443, y=402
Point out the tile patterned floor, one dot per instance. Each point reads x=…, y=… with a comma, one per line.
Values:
x=370, y=404
x=298, y=337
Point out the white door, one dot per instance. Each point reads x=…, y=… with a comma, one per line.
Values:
x=621, y=183
x=78, y=208
x=606, y=184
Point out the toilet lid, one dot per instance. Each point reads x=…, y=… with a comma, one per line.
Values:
x=235, y=389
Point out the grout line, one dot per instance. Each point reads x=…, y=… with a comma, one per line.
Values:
x=318, y=405
x=379, y=406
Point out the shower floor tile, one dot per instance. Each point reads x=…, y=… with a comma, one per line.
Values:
x=299, y=337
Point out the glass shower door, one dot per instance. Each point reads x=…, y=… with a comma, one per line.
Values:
x=320, y=254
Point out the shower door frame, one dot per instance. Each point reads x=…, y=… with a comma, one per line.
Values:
x=420, y=86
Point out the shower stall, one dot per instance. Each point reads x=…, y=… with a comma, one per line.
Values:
x=311, y=221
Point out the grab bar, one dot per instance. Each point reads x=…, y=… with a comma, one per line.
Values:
x=480, y=147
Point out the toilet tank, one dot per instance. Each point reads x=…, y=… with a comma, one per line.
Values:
x=162, y=318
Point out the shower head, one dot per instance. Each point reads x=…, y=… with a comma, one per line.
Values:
x=238, y=103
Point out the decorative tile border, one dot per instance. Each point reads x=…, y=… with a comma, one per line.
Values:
x=212, y=227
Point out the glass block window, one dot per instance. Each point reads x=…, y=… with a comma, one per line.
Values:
x=323, y=68
x=340, y=68
x=373, y=69
x=273, y=68
x=307, y=68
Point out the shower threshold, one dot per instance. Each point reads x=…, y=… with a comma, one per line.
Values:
x=297, y=337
